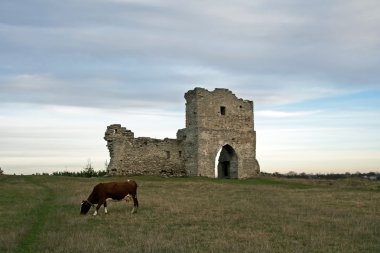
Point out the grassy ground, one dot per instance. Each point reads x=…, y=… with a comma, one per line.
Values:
x=41, y=214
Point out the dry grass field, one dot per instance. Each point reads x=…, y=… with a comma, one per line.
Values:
x=41, y=214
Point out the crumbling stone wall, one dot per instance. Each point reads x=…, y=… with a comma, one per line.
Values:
x=142, y=156
x=219, y=141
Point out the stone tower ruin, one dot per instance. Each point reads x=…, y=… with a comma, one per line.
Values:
x=219, y=141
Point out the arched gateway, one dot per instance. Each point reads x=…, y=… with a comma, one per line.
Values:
x=226, y=163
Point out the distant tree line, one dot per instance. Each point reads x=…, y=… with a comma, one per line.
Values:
x=88, y=171
x=292, y=174
x=83, y=173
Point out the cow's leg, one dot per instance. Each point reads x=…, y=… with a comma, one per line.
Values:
x=135, y=203
x=97, y=207
x=105, y=207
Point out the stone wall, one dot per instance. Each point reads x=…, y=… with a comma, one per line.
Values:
x=142, y=156
x=219, y=141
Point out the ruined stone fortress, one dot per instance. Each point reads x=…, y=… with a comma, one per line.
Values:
x=219, y=141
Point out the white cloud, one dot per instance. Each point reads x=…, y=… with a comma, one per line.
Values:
x=30, y=82
x=282, y=114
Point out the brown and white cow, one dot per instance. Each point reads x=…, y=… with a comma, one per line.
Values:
x=114, y=190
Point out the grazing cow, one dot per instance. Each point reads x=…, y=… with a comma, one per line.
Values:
x=114, y=190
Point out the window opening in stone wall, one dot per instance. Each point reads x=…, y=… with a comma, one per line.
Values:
x=223, y=110
x=167, y=154
x=179, y=154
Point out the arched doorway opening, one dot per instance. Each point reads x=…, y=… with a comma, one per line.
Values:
x=226, y=163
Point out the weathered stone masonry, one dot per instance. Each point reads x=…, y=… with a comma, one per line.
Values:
x=142, y=156
x=219, y=141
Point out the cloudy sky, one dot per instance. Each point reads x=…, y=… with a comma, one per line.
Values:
x=70, y=68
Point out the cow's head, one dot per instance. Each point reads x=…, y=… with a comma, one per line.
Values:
x=85, y=207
